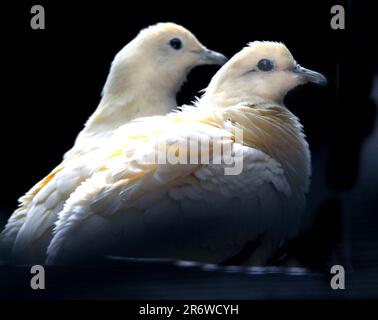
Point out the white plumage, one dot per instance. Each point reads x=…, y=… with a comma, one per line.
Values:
x=143, y=81
x=133, y=207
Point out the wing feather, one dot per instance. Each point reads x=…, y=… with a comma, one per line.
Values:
x=199, y=212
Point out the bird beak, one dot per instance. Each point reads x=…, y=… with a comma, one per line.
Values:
x=211, y=57
x=310, y=76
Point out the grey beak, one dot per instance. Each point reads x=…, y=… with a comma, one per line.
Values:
x=310, y=76
x=212, y=57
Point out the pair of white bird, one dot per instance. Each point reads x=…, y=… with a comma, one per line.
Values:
x=103, y=199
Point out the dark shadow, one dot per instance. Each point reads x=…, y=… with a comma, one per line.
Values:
x=351, y=119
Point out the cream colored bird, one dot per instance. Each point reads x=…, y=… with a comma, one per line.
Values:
x=136, y=207
x=143, y=81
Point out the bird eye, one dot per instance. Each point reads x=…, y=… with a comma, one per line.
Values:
x=265, y=65
x=175, y=43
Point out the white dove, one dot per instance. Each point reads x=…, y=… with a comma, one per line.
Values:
x=143, y=81
x=132, y=206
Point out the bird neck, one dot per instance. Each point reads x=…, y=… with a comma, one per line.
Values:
x=273, y=129
x=134, y=88
x=114, y=111
x=125, y=100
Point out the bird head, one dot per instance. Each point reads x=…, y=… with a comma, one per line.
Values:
x=262, y=70
x=173, y=46
x=161, y=55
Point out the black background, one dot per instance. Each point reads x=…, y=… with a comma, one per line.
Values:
x=52, y=81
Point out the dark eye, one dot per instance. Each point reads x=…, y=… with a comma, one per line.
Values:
x=175, y=43
x=265, y=65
